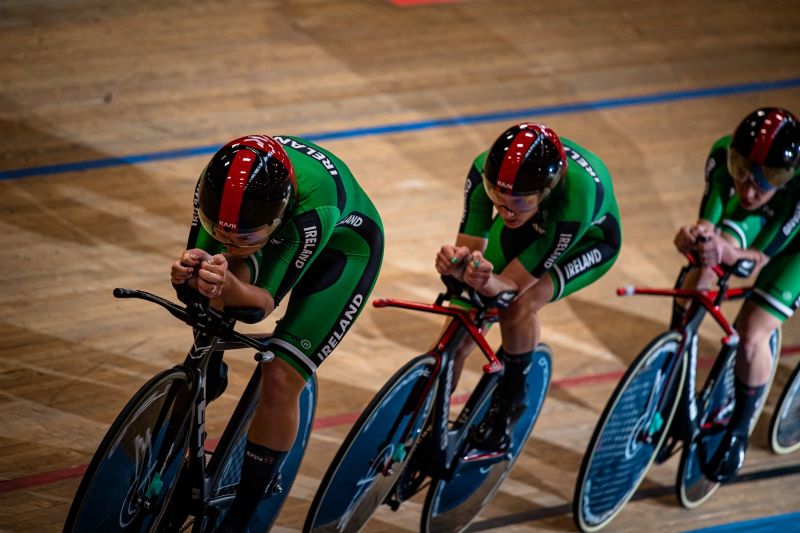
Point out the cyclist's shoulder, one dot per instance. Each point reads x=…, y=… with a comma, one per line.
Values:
x=309, y=156
x=721, y=143
x=480, y=160
x=584, y=163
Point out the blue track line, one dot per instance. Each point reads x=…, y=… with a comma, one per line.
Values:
x=783, y=523
x=512, y=114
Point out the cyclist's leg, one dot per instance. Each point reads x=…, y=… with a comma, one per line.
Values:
x=774, y=299
x=591, y=258
x=321, y=309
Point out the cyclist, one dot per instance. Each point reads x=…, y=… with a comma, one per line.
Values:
x=274, y=214
x=555, y=231
x=750, y=211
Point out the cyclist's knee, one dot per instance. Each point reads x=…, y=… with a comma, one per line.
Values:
x=525, y=308
x=280, y=382
x=755, y=326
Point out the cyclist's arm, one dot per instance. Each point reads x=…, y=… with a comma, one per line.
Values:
x=473, y=230
x=514, y=277
x=238, y=292
x=718, y=184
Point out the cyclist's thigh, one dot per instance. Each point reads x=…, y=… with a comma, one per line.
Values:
x=777, y=289
x=582, y=266
x=327, y=300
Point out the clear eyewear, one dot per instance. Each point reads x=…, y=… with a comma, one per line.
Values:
x=513, y=205
x=764, y=178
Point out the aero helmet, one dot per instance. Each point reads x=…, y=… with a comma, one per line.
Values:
x=766, y=145
x=526, y=159
x=247, y=187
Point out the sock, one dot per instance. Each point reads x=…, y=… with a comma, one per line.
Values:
x=745, y=406
x=259, y=467
x=513, y=383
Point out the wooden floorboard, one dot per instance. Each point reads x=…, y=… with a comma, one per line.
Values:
x=100, y=82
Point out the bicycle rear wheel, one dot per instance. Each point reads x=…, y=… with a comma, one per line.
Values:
x=454, y=500
x=134, y=470
x=226, y=461
x=629, y=433
x=716, y=405
x=355, y=483
x=785, y=425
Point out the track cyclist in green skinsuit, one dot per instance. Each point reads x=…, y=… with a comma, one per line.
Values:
x=274, y=214
x=540, y=218
x=751, y=210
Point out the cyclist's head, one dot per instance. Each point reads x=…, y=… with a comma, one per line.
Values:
x=765, y=151
x=245, y=191
x=522, y=167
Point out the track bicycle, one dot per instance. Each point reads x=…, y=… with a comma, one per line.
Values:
x=784, y=428
x=151, y=471
x=406, y=434
x=656, y=409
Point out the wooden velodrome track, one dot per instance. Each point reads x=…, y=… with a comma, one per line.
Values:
x=109, y=111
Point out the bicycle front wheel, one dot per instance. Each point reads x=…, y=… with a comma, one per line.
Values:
x=456, y=498
x=134, y=470
x=716, y=405
x=357, y=481
x=629, y=433
x=785, y=425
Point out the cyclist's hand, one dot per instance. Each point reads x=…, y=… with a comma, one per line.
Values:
x=478, y=271
x=212, y=276
x=686, y=239
x=187, y=266
x=450, y=259
x=714, y=249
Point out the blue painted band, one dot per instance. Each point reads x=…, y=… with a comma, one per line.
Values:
x=513, y=114
x=781, y=522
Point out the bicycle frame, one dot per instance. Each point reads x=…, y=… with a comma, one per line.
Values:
x=209, y=326
x=464, y=322
x=702, y=302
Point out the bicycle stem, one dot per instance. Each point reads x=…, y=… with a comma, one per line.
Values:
x=467, y=318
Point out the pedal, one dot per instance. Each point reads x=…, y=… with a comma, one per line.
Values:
x=276, y=486
x=392, y=501
x=479, y=459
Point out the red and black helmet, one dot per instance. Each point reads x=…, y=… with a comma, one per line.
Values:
x=767, y=145
x=526, y=159
x=246, y=187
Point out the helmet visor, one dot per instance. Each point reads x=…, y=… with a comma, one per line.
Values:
x=247, y=238
x=765, y=178
x=515, y=204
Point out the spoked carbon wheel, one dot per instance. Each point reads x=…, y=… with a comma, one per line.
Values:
x=716, y=405
x=226, y=462
x=785, y=425
x=456, y=498
x=629, y=433
x=134, y=470
x=358, y=481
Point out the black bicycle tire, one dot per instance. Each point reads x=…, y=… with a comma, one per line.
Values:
x=356, y=431
x=706, y=487
x=789, y=401
x=588, y=457
x=114, y=437
x=468, y=514
x=230, y=443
